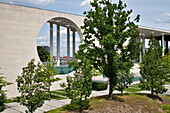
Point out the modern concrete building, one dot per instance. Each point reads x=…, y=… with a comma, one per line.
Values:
x=19, y=29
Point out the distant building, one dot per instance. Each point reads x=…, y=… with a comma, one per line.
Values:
x=47, y=48
x=63, y=60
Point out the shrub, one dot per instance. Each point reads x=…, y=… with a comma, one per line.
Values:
x=99, y=85
x=166, y=107
x=3, y=97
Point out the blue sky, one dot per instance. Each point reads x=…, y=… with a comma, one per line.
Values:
x=154, y=13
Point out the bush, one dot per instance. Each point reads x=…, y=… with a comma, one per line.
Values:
x=166, y=107
x=99, y=85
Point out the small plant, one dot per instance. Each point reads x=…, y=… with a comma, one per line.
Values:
x=79, y=87
x=124, y=78
x=31, y=86
x=49, y=74
x=34, y=84
x=166, y=107
x=3, y=97
x=152, y=69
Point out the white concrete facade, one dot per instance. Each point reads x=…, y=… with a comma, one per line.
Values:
x=19, y=29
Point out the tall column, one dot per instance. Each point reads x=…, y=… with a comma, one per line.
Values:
x=58, y=45
x=143, y=44
x=163, y=43
x=68, y=44
x=140, y=56
x=167, y=47
x=51, y=39
x=73, y=44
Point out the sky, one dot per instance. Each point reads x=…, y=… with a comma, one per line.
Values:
x=153, y=13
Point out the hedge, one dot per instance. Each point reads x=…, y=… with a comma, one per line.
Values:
x=99, y=85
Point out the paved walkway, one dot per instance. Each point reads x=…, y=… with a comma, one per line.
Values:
x=54, y=104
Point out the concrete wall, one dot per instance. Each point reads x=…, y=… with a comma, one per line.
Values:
x=19, y=29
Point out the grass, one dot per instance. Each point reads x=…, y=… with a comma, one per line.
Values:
x=167, y=83
x=133, y=88
x=61, y=90
x=10, y=101
x=166, y=97
x=57, y=97
x=123, y=103
x=60, y=110
x=58, y=93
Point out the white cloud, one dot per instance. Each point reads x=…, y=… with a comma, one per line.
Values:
x=77, y=39
x=85, y=3
x=164, y=18
x=43, y=43
x=63, y=32
x=64, y=45
x=42, y=38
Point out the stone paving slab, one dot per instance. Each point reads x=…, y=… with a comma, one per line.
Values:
x=168, y=92
x=54, y=103
x=46, y=108
x=64, y=101
x=10, y=110
x=17, y=106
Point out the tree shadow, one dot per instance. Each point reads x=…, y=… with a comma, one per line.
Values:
x=115, y=97
x=154, y=97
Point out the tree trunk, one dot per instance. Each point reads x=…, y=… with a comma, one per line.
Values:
x=152, y=88
x=110, y=88
x=122, y=91
x=31, y=110
x=151, y=91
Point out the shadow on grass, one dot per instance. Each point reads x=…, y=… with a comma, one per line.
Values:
x=115, y=98
x=154, y=97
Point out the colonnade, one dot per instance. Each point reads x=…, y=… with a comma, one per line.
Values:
x=142, y=38
x=58, y=42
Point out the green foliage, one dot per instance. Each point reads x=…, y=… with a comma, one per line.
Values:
x=3, y=97
x=43, y=54
x=79, y=87
x=97, y=85
x=153, y=69
x=110, y=25
x=124, y=79
x=31, y=86
x=34, y=84
x=166, y=107
x=49, y=74
x=166, y=65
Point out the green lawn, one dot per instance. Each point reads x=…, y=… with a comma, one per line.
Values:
x=125, y=102
x=133, y=88
x=58, y=93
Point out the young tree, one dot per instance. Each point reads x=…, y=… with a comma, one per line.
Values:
x=124, y=79
x=152, y=69
x=79, y=87
x=49, y=74
x=31, y=86
x=109, y=24
x=166, y=65
x=3, y=97
x=34, y=84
